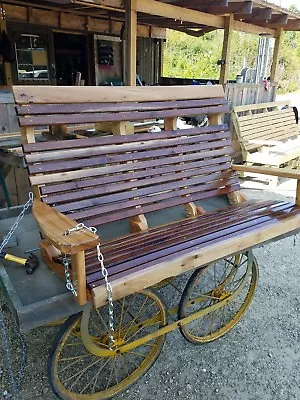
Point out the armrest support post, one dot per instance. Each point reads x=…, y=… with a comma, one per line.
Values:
x=79, y=276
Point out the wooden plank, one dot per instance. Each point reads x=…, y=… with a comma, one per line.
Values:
x=145, y=195
x=34, y=109
x=91, y=217
x=213, y=140
x=108, y=117
x=151, y=252
x=182, y=233
x=122, y=185
x=195, y=258
x=95, y=172
x=131, y=35
x=251, y=107
x=90, y=142
x=153, y=7
x=134, y=240
x=155, y=168
x=228, y=32
x=280, y=172
x=92, y=94
x=276, y=52
x=79, y=276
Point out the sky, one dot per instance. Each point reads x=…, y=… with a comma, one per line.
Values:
x=286, y=3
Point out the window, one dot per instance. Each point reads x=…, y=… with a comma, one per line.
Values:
x=32, y=58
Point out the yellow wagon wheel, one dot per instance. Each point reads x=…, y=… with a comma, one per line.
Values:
x=229, y=285
x=78, y=374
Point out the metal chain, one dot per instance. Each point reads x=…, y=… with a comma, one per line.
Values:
x=109, y=297
x=7, y=238
x=69, y=284
x=104, y=272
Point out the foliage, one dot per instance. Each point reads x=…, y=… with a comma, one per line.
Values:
x=196, y=57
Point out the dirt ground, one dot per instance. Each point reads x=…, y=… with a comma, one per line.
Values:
x=258, y=360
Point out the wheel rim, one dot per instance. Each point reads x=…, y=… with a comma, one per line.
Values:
x=233, y=279
x=79, y=374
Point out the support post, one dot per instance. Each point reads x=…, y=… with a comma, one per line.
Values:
x=27, y=134
x=278, y=42
x=228, y=29
x=78, y=276
x=130, y=36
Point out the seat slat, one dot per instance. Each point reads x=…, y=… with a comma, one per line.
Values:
x=135, y=238
x=128, y=249
x=222, y=233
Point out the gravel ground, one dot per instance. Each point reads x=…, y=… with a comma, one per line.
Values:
x=258, y=360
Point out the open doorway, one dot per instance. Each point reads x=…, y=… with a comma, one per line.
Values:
x=70, y=58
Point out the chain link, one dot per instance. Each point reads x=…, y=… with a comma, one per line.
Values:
x=109, y=297
x=70, y=286
x=7, y=238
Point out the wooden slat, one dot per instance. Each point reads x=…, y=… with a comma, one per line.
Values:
x=259, y=106
x=108, y=140
x=212, y=233
x=93, y=94
x=140, y=170
x=92, y=172
x=106, y=186
x=109, y=117
x=62, y=166
x=101, y=149
x=42, y=109
x=133, y=246
x=164, y=230
x=172, y=245
x=183, y=261
x=146, y=195
x=247, y=119
x=95, y=219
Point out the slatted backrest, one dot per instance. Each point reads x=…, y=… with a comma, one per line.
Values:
x=99, y=180
x=42, y=106
x=267, y=121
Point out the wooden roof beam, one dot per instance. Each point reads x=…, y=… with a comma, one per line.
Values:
x=257, y=14
x=279, y=19
x=292, y=25
x=243, y=7
x=196, y=33
x=153, y=7
x=254, y=29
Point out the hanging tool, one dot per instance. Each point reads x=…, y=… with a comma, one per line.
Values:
x=31, y=263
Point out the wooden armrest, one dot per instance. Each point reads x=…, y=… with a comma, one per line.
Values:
x=53, y=226
x=262, y=142
x=280, y=172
